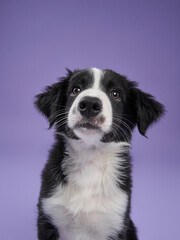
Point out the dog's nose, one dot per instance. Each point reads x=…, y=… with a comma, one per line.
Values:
x=90, y=106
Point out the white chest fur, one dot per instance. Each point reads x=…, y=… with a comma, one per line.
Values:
x=90, y=206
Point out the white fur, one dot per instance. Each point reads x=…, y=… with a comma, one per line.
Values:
x=90, y=206
x=97, y=75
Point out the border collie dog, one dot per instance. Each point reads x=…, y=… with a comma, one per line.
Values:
x=86, y=183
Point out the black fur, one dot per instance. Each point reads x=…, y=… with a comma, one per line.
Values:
x=136, y=108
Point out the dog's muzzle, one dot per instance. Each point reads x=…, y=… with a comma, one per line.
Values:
x=90, y=116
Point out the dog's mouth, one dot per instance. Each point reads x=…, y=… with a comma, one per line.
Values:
x=87, y=124
x=90, y=124
x=84, y=127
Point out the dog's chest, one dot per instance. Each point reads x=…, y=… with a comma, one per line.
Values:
x=91, y=205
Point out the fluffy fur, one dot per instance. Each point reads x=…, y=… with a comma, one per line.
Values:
x=86, y=183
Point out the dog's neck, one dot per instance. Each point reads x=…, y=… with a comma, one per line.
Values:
x=87, y=166
x=79, y=147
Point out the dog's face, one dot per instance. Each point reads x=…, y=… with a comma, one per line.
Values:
x=90, y=109
x=98, y=105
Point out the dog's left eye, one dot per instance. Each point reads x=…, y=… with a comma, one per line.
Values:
x=115, y=94
x=76, y=91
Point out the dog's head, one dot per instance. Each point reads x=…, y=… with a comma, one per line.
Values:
x=98, y=105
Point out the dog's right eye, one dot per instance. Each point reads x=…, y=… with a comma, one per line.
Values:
x=75, y=91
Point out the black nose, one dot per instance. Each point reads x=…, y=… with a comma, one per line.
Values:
x=90, y=106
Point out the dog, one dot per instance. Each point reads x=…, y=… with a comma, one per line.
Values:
x=86, y=183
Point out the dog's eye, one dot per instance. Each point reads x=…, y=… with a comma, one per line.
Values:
x=76, y=91
x=115, y=94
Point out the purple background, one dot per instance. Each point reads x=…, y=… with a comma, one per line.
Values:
x=38, y=39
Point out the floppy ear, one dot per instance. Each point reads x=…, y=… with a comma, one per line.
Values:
x=53, y=98
x=148, y=110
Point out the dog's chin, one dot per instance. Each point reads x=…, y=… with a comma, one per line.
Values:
x=88, y=132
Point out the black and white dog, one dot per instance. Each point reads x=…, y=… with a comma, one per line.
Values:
x=86, y=183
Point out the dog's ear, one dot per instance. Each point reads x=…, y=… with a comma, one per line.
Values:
x=53, y=98
x=148, y=110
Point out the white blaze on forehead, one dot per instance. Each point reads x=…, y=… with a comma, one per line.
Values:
x=97, y=75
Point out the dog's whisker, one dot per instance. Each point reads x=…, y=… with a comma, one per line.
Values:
x=61, y=120
x=119, y=118
x=118, y=127
x=57, y=114
x=120, y=130
x=116, y=131
x=125, y=125
x=61, y=124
